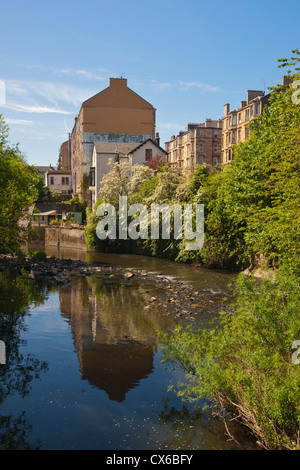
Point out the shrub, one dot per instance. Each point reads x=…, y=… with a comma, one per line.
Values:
x=243, y=363
x=37, y=255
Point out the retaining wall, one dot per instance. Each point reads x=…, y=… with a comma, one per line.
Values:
x=60, y=236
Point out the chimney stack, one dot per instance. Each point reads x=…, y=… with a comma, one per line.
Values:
x=286, y=80
x=226, y=109
x=119, y=82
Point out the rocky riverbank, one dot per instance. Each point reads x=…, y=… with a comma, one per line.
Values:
x=176, y=297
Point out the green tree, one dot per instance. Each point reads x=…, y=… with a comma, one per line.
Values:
x=262, y=185
x=19, y=184
x=243, y=363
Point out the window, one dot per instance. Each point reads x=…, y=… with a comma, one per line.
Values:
x=201, y=134
x=201, y=147
x=234, y=119
x=240, y=118
x=247, y=114
x=239, y=136
x=67, y=180
x=51, y=179
x=148, y=154
x=233, y=137
x=256, y=109
x=63, y=180
x=92, y=176
x=251, y=110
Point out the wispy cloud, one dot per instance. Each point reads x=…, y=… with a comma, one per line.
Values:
x=205, y=87
x=86, y=74
x=52, y=92
x=40, y=97
x=185, y=86
x=21, y=122
x=35, y=109
x=162, y=86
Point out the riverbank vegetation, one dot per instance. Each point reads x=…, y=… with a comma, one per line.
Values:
x=251, y=206
x=244, y=364
x=248, y=364
x=20, y=187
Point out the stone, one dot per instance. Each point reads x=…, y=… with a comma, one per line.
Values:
x=129, y=275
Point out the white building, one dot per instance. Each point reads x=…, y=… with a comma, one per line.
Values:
x=59, y=180
x=146, y=151
x=121, y=152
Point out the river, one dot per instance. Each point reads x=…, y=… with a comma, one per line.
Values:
x=84, y=367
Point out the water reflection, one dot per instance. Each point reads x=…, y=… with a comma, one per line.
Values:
x=187, y=426
x=104, y=384
x=114, y=336
x=16, y=293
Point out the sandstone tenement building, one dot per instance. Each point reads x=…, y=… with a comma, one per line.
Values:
x=199, y=144
x=235, y=123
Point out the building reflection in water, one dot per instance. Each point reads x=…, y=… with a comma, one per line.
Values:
x=113, y=334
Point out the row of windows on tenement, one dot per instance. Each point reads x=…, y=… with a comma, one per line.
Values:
x=64, y=180
x=252, y=111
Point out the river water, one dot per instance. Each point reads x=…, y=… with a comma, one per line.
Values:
x=84, y=366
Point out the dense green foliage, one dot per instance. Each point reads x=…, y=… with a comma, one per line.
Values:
x=20, y=186
x=243, y=365
x=247, y=364
x=252, y=207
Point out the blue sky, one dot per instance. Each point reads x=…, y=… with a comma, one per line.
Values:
x=186, y=58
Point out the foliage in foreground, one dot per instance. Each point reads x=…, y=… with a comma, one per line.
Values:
x=19, y=188
x=244, y=363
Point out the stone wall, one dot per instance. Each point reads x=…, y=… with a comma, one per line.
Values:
x=60, y=236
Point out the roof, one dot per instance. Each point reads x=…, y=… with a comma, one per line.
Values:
x=46, y=213
x=113, y=83
x=43, y=169
x=145, y=142
x=60, y=172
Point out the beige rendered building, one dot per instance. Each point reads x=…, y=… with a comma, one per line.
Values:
x=200, y=144
x=116, y=115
